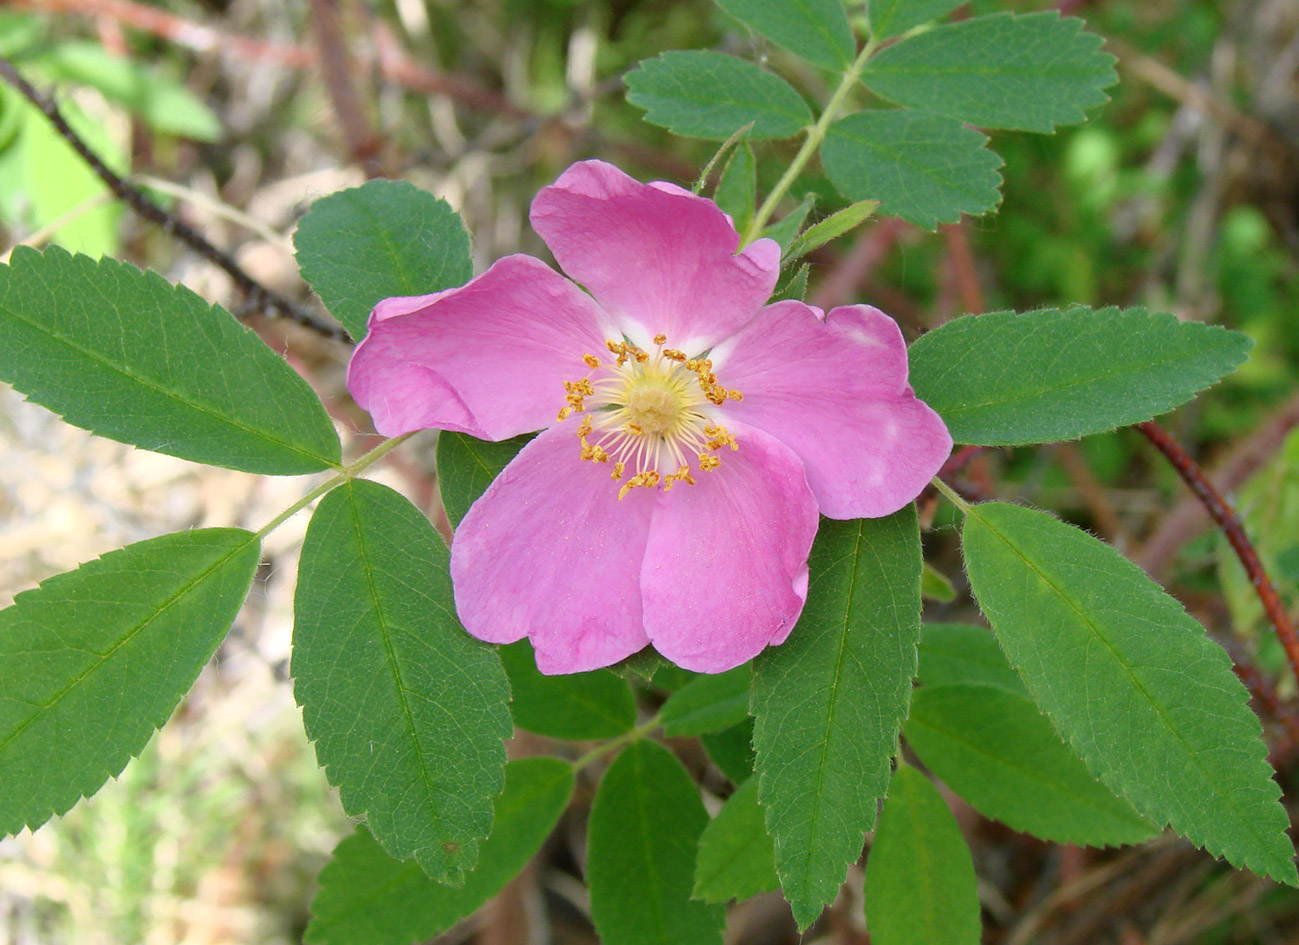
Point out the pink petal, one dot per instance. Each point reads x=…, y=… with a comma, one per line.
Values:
x=658, y=258
x=489, y=358
x=726, y=565
x=550, y=553
x=836, y=393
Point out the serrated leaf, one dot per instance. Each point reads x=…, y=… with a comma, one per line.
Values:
x=736, y=858
x=832, y=227
x=643, y=841
x=368, y=898
x=997, y=751
x=736, y=192
x=920, y=883
x=1027, y=72
x=924, y=168
x=1007, y=379
x=710, y=703
x=795, y=287
x=817, y=30
x=731, y=750
x=466, y=467
x=959, y=653
x=385, y=238
x=702, y=94
x=408, y=712
x=1131, y=681
x=829, y=700
x=94, y=660
x=890, y=18
x=577, y=706
x=162, y=103
x=785, y=230
x=124, y=354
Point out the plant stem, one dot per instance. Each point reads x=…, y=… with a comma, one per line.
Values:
x=951, y=495
x=639, y=732
x=1220, y=511
x=815, y=135
x=348, y=472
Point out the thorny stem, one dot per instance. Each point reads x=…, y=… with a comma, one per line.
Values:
x=261, y=296
x=815, y=135
x=349, y=471
x=639, y=732
x=1220, y=511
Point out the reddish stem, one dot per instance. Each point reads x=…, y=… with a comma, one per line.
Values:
x=1222, y=513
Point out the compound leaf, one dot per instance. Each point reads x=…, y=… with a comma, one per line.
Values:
x=125, y=354
x=702, y=94
x=736, y=858
x=996, y=750
x=924, y=168
x=1029, y=72
x=1004, y=379
x=1131, y=681
x=920, y=883
x=644, y=837
x=829, y=700
x=597, y=704
x=408, y=712
x=368, y=898
x=385, y=238
x=94, y=660
x=817, y=30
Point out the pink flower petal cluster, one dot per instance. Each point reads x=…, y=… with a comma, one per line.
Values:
x=690, y=433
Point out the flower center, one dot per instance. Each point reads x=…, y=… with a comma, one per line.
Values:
x=649, y=415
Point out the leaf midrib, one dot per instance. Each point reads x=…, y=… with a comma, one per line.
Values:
x=130, y=635
x=398, y=681
x=1137, y=684
x=156, y=387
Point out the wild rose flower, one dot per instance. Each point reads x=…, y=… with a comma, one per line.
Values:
x=690, y=436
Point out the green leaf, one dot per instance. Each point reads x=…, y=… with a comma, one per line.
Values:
x=924, y=168
x=829, y=700
x=732, y=750
x=920, y=883
x=368, y=898
x=736, y=192
x=894, y=17
x=785, y=230
x=832, y=227
x=162, y=103
x=996, y=750
x=817, y=30
x=1131, y=681
x=124, y=354
x=736, y=858
x=408, y=712
x=385, y=238
x=577, y=706
x=44, y=179
x=643, y=842
x=934, y=585
x=710, y=703
x=1028, y=72
x=1004, y=379
x=703, y=94
x=795, y=287
x=466, y=467
x=958, y=653
x=94, y=660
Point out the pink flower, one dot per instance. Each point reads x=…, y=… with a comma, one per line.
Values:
x=690, y=433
